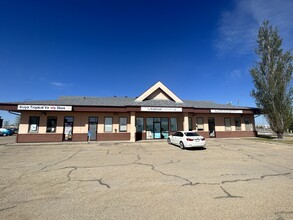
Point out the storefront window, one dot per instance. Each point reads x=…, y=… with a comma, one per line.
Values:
x=228, y=124
x=164, y=124
x=199, y=122
x=164, y=128
x=248, y=126
x=108, y=124
x=34, y=123
x=123, y=124
x=149, y=124
x=238, y=124
x=173, y=124
x=139, y=124
x=51, y=124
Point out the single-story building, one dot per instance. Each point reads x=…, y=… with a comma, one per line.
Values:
x=155, y=114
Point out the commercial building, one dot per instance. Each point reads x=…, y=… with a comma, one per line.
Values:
x=155, y=114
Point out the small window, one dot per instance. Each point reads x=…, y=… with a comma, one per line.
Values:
x=108, y=124
x=93, y=120
x=173, y=124
x=199, y=122
x=228, y=124
x=248, y=126
x=123, y=124
x=51, y=124
x=237, y=124
x=34, y=123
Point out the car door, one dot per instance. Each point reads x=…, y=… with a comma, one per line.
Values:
x=175, y=138
x=179, y=137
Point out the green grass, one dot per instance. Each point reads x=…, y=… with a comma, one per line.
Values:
x=272, y=139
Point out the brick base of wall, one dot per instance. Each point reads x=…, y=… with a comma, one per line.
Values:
x=113, y=136
x=34, y=138
x=229, y=134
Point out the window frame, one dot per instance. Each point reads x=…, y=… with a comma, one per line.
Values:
x=123, y=127
x=227, y=123
x=237, y=128
x=248, y=126
x=31, y=123
x=140, y=126
x=107, y=126
x=53, y=118
x=172, y=120
x=201, y=125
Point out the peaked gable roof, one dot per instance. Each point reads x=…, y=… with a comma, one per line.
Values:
x=158, y=92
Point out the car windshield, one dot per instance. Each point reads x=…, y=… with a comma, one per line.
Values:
x=191, y=134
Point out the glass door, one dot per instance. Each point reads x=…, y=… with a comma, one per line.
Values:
x=212, y=130
x=157, y=130
x=93, y=124
x=68, y=128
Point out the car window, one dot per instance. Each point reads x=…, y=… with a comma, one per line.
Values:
x=191, y=134
x=181, y=134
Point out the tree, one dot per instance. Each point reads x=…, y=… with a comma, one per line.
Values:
x=272, y=79
x=17, y=121
x=6, y=124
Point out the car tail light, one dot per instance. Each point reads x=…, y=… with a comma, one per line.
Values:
x=189, y=139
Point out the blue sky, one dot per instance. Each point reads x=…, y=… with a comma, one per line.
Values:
x=201, y=50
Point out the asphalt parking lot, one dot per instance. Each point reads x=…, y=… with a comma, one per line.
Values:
x=230, y=179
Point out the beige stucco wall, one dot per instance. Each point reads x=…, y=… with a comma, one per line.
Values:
x=80, y=121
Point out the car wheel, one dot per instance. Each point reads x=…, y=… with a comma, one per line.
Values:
x=181, y=145
x=168, y=141
x=4, y=134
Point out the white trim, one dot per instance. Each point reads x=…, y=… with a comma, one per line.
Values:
x=226, y=111
x=155, y=87
x=44, y=108
x=160, y=109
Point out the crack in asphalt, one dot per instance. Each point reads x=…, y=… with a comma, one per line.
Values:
x=97, y=180
x=253, y=158
x=280, y=215
x=173, y=162
x=252, y=179
x=12, y=207
x=121, y=151
x=50, y=165
x=242, y=152
x=228, y=195
x=161, y=172
x=190, y=183
x=136, y=162
x=11, y=184
x=68, y=175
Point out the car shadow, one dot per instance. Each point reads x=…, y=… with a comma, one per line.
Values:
x=195, y=148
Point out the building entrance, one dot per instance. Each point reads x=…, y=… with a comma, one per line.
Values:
x=212, y=130
x=93, y=124
x=68, y=128
x=157, y=128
